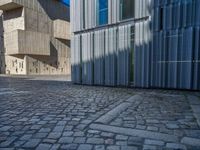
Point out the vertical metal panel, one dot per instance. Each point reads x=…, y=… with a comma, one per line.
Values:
x=123, y=55
x=197, y=12
x=110, y=57
x=156, y=19
x=76, y=59
x=196, y=62
x=186, y=59
x=87, y=58
x=172, y=59
x=137, y=76
x=142, y=54
x=113, y=11
x=99, y=55
x=166, y=55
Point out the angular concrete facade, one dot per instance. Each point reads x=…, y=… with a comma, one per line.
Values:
x=35, y=37
x=136, y=43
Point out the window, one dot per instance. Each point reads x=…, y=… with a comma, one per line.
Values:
x=126, y=9
x=102, y=12
x=132, y=54
x=161, y=18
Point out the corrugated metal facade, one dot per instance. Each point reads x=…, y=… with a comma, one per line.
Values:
x=164, y=46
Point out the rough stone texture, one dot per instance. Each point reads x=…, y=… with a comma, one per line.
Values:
x=33, y=42
x=58, y=115
x=191, y=141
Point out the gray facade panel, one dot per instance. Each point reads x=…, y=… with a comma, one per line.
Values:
x=166, y=47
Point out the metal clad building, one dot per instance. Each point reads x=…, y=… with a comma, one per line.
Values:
x=139, y=43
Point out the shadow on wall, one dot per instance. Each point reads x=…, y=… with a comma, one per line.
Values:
x=165, y=54
x=2, y=49
x=55, y=10
x=103, y=57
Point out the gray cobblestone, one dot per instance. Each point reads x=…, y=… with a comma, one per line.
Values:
x=65, y=140
x=95, y=141
x=80, y=140
x=176, y=146
x=113, y=148
x=154, y=142
x=55, y=135
x=64, y=116
x=85, y=147
x=44, y=147
x=99, y=147
x=32, y=143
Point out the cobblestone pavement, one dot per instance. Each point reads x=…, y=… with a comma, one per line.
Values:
x=50, y=115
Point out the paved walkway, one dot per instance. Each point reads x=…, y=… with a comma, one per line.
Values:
x=58, y=115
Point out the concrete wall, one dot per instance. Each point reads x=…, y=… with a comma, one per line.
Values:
x=32, y=38
x=2, y=56
x=20, y=42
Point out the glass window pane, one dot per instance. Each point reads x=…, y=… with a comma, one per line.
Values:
x=103, y=12
x=127, y=9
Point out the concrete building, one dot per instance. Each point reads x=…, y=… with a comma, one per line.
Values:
x=36, y=35
x=139, y=43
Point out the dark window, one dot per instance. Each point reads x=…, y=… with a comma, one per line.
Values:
x=83, y=14
x=126, y=9
x=102, y=12
x=132, y=54
x=161, y=18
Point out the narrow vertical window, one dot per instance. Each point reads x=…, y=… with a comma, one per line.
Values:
x=127, y=9
x=102, y=8
x=132, y=55
x=83, y=14
x=161, y=18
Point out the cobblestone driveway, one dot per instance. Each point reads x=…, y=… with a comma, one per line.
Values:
x=57, y=115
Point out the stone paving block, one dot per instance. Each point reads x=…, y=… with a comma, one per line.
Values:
x=54, y=135
x=99, y=147
x=66, y=140
x=32, y=143
x=113, y=148
x=107, y=134
x=69, y=147
x=85, y=147
x=68, y=133
x=176, y=146
x=50, y=141
x=109, y=141
x=191, y=141
x=80, y=140
x=45, y=130
x=44, y=147
x=149, y=147
x=135, y=141
x=19, y=143
x=153, y=142
x=129, y=148
x=55, y=147
x=122, y=143
x=26, y=137
x=58, y=129
x=8, y=141
x=5, y=128
x=95, y=141
x=172, y=126
x=135, y=132
x=79, y=133
x=40, y=135
x=113, y=113
x=121, y=137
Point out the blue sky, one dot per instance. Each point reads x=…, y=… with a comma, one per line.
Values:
x=66, y=1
